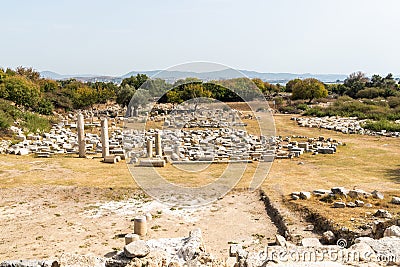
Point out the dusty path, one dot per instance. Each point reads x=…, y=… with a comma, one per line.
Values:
x=42, y=222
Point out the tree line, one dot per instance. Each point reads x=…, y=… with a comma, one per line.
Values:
x=26, y=88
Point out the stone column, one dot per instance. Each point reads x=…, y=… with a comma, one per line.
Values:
x=158, y=144
x=140, y=226
x=176, y=149
x=105, y=146
x=149, y=148
x=81, y=136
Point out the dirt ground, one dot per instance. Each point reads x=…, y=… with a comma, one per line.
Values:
x=46, y=221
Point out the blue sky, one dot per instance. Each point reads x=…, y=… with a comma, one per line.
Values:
x=115, y=37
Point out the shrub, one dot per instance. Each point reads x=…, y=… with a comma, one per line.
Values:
x=394, y=101
x=289, y=109
x=370, y=93
x=382, y=125
x=5, y=120
x=302, y=106
x=44, y=107
x=34, y=123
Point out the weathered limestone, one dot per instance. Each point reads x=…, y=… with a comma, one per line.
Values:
x=393, y=230
x=111, y=159
x=357, y=193
x=280, y=240
x=158, y=144
x=152, y=163
x=305, y=195
x=383, y=214
x=328, y=237
x=129, y=238
x=137, y=249
x=193, y=246
x=29, y=263
x=396, y=200
x=359, y=203
x=149, y=217
x=339, y=205
x=310, y=242
x=339, y=191
x=378, y=195
x=233, y=249
x=149, y=148
x=140, y=225
x=351, y=205
x=81, y=136
x=105, y=147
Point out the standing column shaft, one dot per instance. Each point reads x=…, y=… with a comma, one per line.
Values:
x=176, y=149
x=158, y=144
x=81, y=136
x=105, y=146
x=149, y=148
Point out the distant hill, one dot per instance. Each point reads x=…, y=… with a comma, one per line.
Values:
x=213, y=75
x=82, y=77
x=54, y=75
x=230, y=73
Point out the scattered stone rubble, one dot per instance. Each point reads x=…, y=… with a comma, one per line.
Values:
x=190, y=251
x=206, y=135
x=63, y=139
x=342, y=193
x=224, y=144
x=347, y=125
x=365, y=252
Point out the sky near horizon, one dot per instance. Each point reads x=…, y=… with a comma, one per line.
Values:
x=115, y=37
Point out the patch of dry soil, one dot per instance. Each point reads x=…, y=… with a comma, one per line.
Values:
x=43, y=222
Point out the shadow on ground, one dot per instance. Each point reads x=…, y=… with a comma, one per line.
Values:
x=394, y=174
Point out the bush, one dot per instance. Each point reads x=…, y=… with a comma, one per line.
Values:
x=30, y=122
x=394, y=101
x=289, y=110
x=34, y=123
x=302, y=106
x=5, y=120
x=45, y=107
x=370, y=93
x=382, y=125
x=353, y=108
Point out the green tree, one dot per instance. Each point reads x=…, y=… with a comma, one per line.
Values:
x=338, y=89
x=135, y=81
x=28, y=73
x=355, y=82
x=47, y=85
x=174, y=97
x=156, y=87
x=290, y=84
x=84, y=97
x=139, y=99
x=309, y=89
x=193, y=91
x=259, y=83
x=21, y=91
x=125, y=94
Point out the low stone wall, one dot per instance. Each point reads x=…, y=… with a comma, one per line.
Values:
x=273, y=211
x=322, y=224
